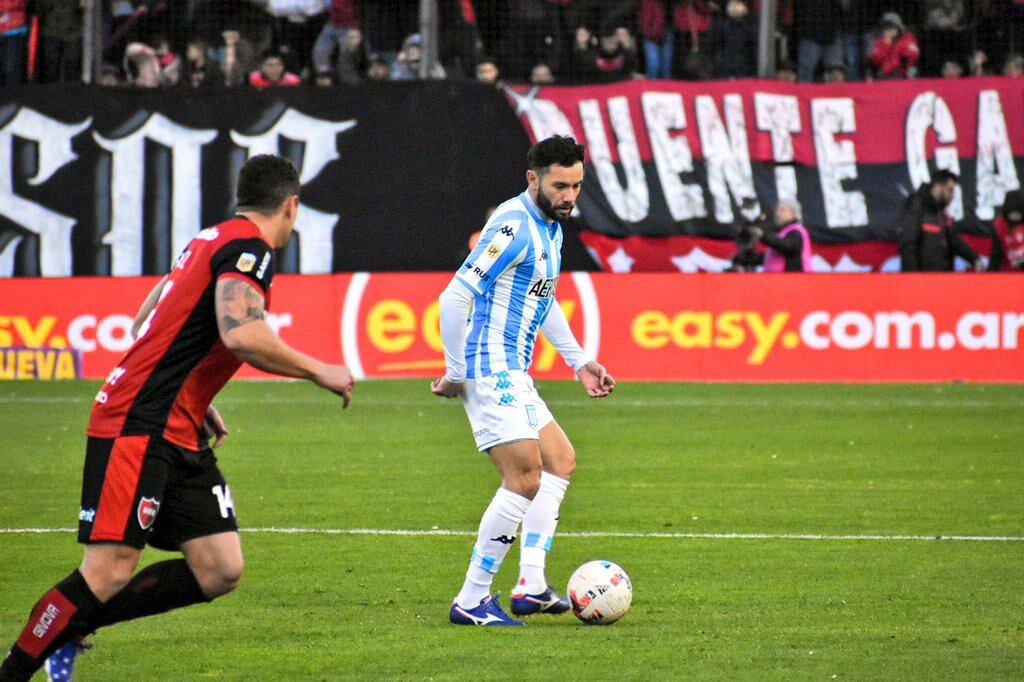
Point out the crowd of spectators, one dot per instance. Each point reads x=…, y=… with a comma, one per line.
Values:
x=263, y=43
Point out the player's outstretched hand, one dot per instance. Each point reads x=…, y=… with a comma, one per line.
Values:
x=337, y=379
x=596, y=380
x=445, y=388
x=215, y=426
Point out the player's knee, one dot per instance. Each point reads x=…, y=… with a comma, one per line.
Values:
x=220, y=576
x=566, y=463
x=528, y=481
x=108, y=568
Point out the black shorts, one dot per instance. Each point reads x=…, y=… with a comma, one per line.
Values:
x=142, y=489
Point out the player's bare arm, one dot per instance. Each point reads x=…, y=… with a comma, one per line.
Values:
x=241, y=314
x=215, y=426
x=147, y=306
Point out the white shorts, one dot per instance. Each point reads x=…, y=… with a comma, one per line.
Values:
x=503, y=408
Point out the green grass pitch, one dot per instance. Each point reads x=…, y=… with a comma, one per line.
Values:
x=827, y=461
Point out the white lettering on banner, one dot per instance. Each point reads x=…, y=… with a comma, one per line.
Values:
x=930, y=112
x=278, y=321
x=544, y=116
x=853, y=330
x=904, y=325
x=112, y=333
x=53, y=143
x=127, y=187
x=996, y=172
x=663, y=112
x=837, y=161
x=320, y=147
x=726, y=154
x=780, y=115
x=632, y=202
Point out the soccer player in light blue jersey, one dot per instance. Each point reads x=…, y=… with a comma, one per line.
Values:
x=491, y=313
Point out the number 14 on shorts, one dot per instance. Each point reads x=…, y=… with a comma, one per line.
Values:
x=225, y=500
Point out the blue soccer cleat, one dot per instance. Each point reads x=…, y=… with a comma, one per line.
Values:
x=61, y=662
x=547, y=601
x=489, y=612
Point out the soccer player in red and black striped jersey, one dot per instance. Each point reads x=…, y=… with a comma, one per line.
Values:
x=150, y=474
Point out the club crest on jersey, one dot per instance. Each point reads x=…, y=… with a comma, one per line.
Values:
x=246, y=262
x=146, y=513
x=544, y=288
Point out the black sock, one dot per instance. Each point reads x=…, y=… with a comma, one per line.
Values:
x=67, y=610
x=155, y=589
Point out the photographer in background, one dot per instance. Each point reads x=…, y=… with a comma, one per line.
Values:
x=748, y=232
x=789, y=245
x=928, y=240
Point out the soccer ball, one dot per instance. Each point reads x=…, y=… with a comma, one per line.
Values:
x=600, y=592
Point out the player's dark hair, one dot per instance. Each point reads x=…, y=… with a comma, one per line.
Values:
x=942, y=176
x=556, y=150
x=264, y=182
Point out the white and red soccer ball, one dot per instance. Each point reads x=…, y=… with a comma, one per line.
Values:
x=600, y=592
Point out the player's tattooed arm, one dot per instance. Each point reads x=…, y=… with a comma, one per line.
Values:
x=238, y=303
x=244, y=331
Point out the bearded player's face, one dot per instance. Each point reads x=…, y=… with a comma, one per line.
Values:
x=558, y=188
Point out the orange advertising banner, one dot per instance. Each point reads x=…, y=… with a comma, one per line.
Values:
x=657, y=327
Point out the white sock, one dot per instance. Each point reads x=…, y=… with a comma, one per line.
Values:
x=498, y=529
x=539, y=525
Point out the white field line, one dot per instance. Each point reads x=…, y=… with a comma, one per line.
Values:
x=405, y=403
x=592, y=534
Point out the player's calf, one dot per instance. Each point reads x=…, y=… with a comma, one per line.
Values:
x=68, y=610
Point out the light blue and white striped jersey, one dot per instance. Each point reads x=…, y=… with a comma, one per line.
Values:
x=514, y=272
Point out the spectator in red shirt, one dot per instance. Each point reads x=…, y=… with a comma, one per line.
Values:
x=895, y=53
x=272, y=74
x=1008, y=241
x=13, y=39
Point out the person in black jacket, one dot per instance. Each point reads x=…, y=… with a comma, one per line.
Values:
x=818, y=25
x=928, y=241
x=733, y=41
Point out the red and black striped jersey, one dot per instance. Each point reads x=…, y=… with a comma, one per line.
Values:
x=168, y=377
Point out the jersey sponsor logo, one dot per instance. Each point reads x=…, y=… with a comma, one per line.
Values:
x=263, y=266
x=246, y=262
x=493, y=251
x=102, y=397
x=146, y=512
x=209, y=234
x=46, y=620
x=87, y=515
x=481, y=274
x=544, y=288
